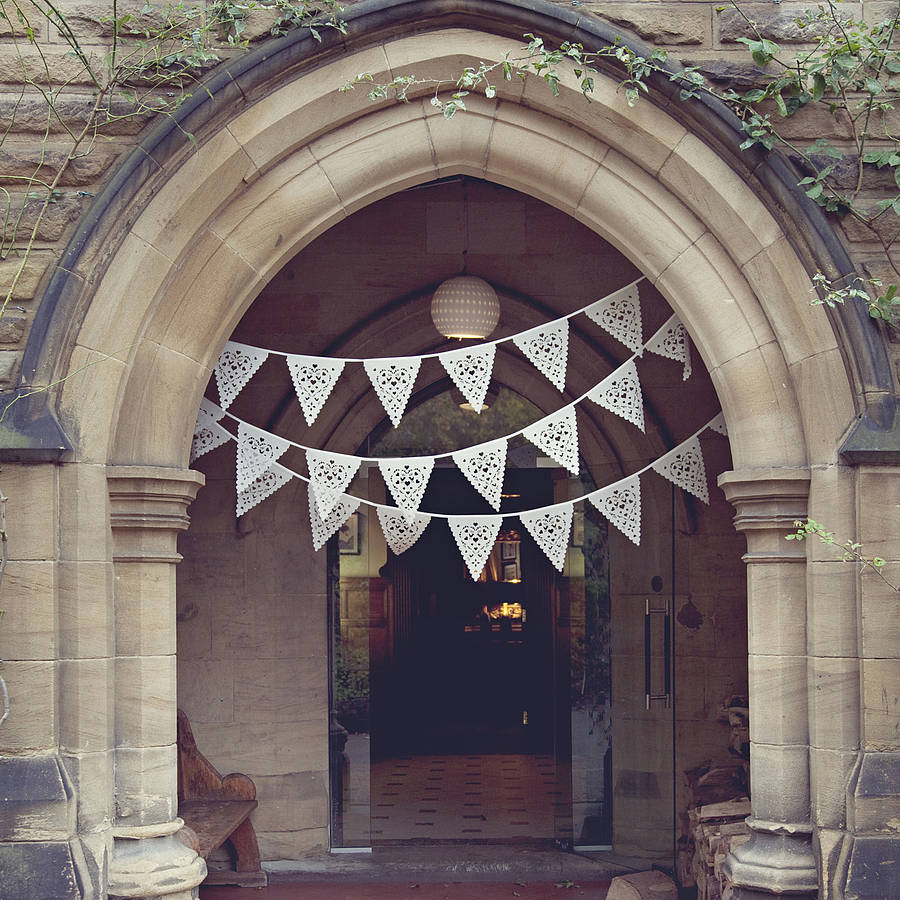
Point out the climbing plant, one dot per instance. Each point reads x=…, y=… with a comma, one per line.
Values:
x=850, y=68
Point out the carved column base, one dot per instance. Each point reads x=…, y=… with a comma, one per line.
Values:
x=777, y=861
x=149, y=862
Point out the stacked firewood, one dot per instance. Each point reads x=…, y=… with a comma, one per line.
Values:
x=714, y=825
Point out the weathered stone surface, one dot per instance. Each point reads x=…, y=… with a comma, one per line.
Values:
x=63, y=67
x=736, y=73
x=874, y=868
x=32, y=272
x=661, y=23
x=12, y=328
x=775, y=22
x=51, y=222
x=20, y=163
x=875, y=797
x=38, y=871
x=70, y=112
x=34, y=801
x=650, y=885
x=9, y=366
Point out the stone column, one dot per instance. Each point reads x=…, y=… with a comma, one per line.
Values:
x=778, y=859
x=148, y=507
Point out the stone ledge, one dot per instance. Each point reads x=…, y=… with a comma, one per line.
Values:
x=39, y=871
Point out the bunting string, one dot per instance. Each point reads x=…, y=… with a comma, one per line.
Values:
x=393, y=378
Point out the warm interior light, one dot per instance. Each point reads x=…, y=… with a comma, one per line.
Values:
x=469, y=408
x=465, y=307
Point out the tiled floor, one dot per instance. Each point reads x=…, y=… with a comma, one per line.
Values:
x=483, y=797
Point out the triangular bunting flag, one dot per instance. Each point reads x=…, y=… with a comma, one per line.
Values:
x=672, y=341
x=256, y=451
x=402, y=528
x=330, y=475
x=620, y=393
x=550, y=529
x=684, y=466
x=209, y=413
x=314, y=378
x=236, y=366
x=324, y=527
x=407, y=479
x=619, y=314
x=484, y=466
x=393, y=380
x=557, y=436
x=620, y=504
x=470, y=369
x=718, y=424
x=475, y=536
x=547, y=347
x=270, y=481
x=208, y=437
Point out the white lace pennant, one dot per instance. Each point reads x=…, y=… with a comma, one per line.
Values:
x=672, y=341
x=475, y=536
x=393, y=380
x=620, y=504
x=550, y=529
x=271, y=480
x=620, y=393
x=557, y=436
x=619, y=314
x=256, y=451
x=470, y=369
x=718, y=424
x=208, y=437
x=314, y=379
x=484, y=466
x=547, y=346
x=323, y=527
x=209, y=413
x=407, y=479
x=236, y=366
x=684, y=466
x=401, y=527
x=330, y=475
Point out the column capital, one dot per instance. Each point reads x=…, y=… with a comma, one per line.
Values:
x=766, y=498
x=147, y=508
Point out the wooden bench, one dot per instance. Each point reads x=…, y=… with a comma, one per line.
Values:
x=216, y=811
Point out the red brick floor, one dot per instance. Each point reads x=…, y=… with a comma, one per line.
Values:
x=496, y=890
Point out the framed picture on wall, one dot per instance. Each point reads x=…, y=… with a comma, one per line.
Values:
x=348, y=536
x=508, y=550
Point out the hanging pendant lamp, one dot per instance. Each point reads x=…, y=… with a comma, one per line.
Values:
x=465, y=306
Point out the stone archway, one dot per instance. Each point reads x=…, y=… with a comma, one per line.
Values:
x=182, y=245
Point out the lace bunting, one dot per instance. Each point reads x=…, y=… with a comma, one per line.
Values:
x=547, y=346
x=236, y=366
x=550, y=529
x=619, y=314
x=620, y=504
x=208, y=437
x=557, y=436
x=718, y=424
x=672, y=341
x=620, y=393
x=256, y=451
x=407, y=479
x=684, y=466
x=324, y=527
x=470, y=369
x=329, y=476
x=271, y=480
x=475, y=536
x=484, y=466
x=209, y=413
x=314, y=379
x=393, y=380
x=401, y=528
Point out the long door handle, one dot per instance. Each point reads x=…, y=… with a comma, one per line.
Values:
x=649, y=696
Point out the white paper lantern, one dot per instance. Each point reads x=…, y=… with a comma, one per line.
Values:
x=465, y=307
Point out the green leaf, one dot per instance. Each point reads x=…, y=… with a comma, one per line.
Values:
x=490, y=92
x=815, y=191
x=779, y=102
x=818, y=90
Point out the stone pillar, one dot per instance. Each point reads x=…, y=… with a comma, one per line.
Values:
x=779, y=857
x=148, y=507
